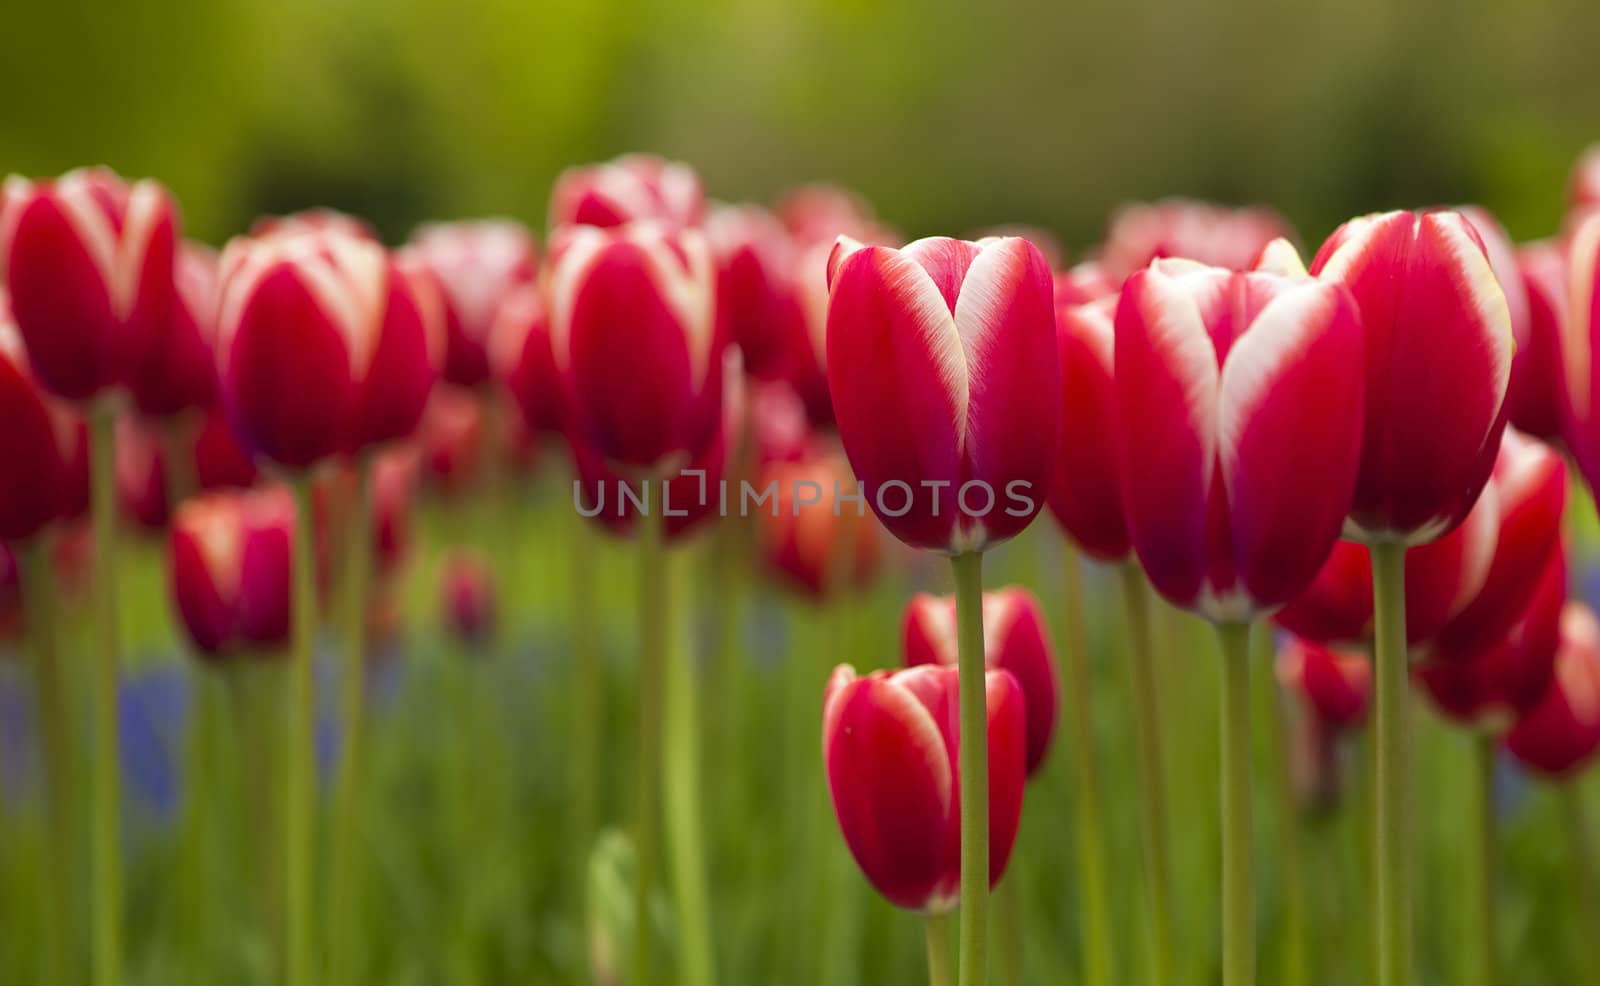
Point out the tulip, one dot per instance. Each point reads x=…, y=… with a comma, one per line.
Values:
x=315, y=221
x=889, y=742
x=451, y=439
x=1085, y=496
x=478, y=264
x=1585, y=190
x=779, y=429
x=805, y=332
x=220, y=461
x=1562, y=731
x=1180, y=228
x=1015, y=640
x=88, y=260
x=633, y=333
x=753, y=253
x=822, y=213
x=1334, y=688
x=178, y=372
x=810, y=539
x=1534, y=395
x=229, y=558
x=1579, y=326
x=41, y=446
x=630, y=188
x=10, y=597
x=1088, y=281
x=519, y=350
x=468, y=596
x=141, y=474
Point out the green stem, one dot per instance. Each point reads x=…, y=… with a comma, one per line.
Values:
x=652, y=622
x=1393, y=836
x=200, y=819
x=55, y=734
x=685, y=824
x=974, y=768
x=588, y=707
x=1296, y=956
x=299, y=757
x=1238, y=872
x=1581, y=852
x=104, y=767
x=1484, y=959
x=345, y=898
x=937, y=927
x=1152, y=776
x=1008, y=926
x=1095, y=904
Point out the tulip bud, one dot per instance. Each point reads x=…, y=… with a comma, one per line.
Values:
x=805, y=332
x=946, y=384
x=1580, y=331
x=1438, y=363
x=1085, y=283
x=812, y=538
x=315, y=221
x=1559, y=734
x=630, y=188
x=141, y=471
x=219, y=460
x=1335, y=685
x=1184, y=229
x=1534, y=395
x=478, y=264
x=325, y=344
x=632, y=330
x=753, y=254
x=451, y=439
x=1086, y=495
x=88, y=260
x=1586, y=179
x=1239, y=429
x=889, y=741
x=469, y=606
x=522, y=360
x=1015, y=639
x=779, y=428
x=42, y=452
x=822, y=213
x=229, y=555
x=179, y=371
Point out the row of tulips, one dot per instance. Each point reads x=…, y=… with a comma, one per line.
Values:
x=1194, y=403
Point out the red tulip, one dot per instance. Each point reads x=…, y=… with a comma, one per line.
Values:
x=1559, y=735
x=779, y=429
x=42, y=454
x=1503, y=261
x=1579, y=336
x=1586, y=179
x=1335, y=685
x=823, y=213
x=1086, y=494
x=753, y=255
x=1534, y=395
x=1015, y=639
x=1438, y=363
x=1180, y=228
x=315, y=221
x=325, y=344
x=946, y=385
x=478, y=264
x=889, y=741
x=809, y=535
x=632, y=328
x=1239, y=416
x=141, y=471
x=451, y=439
x=519, y=351
x=630, y=188
x=394, y=484
x=805, y=332
x=468, y=589
x=1083, y=284
x=88, y=260
x=229, y=558
x=219, y=460
x=179, y=371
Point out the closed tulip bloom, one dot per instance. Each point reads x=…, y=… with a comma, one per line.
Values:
x=141, y=470
x=1504, y=262
x=1086, y=494
x=946, y=385
x=1559, y=735
x=88, y=260
x=1182, y=228
x=1586, y=179
x=41, y=454
x=628, y=189
x=1438, y=363
x=522, y=360
x=478, y=264
x=633, y=333
x=1239, y=429
x=319, y=220
x=805, y=332
x=753, y=253
x=889, y=741
x=1084, y=283
x=220, y=461
x=1535, y=397
x=326, y=345
x=467, y=587
x=1579, y=333
x=229, y=569
x=179, y=371
x=779, y=429
x=451, y=439
x=1015, y=639
x=821, y=213
x=1334, y=684
x=813, y=541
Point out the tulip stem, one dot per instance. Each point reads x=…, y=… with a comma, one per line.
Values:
x=588, y=709
x=1152, y=776
x=937, y=927
x=652, y=621
x=1238, y=872
x=1581, y=852
x=55, y=734
x=345, y=899
x=684, y=818
x=299, y=762
x=1095, y=905
x=1393, y=862
x=1484, y=960
x=1296, y=957
x=974, y=768
x=105, y=778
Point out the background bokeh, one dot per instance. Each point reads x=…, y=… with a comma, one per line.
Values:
x=948, y=116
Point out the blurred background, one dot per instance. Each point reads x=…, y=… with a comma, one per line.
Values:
x=947, y=116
